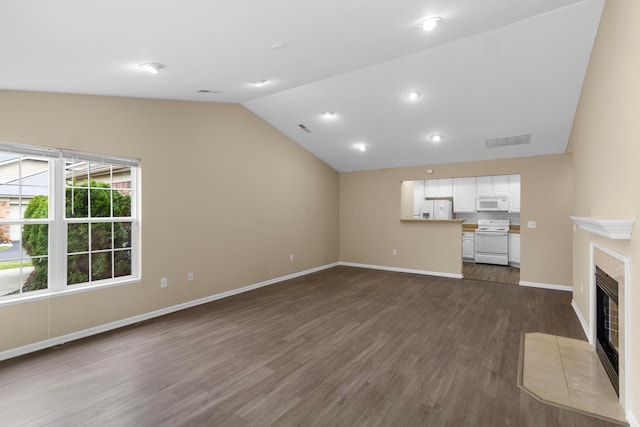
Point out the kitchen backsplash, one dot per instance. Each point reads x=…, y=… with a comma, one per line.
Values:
x=472, y=218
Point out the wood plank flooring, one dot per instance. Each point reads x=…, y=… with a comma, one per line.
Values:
x=341, y=347
x=491, y=273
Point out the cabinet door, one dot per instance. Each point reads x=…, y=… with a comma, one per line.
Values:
x=514, y=193
x=418, y=197
x=467, y=246
x=464, y=195
x=438, y=187
x=445, y=187
x=514, y=248
x=501, y=185
x=484, y=185
x=431, y=188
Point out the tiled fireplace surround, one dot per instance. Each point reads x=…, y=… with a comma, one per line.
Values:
x=567, y=372
x=614, y=265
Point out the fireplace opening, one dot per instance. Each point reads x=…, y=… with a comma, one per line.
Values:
x=607, y=334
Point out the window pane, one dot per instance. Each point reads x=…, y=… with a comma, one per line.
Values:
x=35, y=207
x=77, y=269
x=122, y=263
x=76, y=173
x=101, y=266
x=122, y=203
x=100, y=202
x=77, y=202
x=122, y=235
x=77, y=238
x=101, y=236
x=15, y=280
x=35, y=272
x=35, y=239
x=100, y=172
x=17, y=190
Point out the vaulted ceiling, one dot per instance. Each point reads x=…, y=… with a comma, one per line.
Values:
x=490, y=69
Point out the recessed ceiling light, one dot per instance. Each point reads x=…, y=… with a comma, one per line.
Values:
x=436, y=137
x=152, y=68
x=429, y=23
x=413, y=95
x=329, y=115
x=258, y=83
x=360, y=147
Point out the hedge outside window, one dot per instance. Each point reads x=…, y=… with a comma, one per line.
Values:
x=66, y=218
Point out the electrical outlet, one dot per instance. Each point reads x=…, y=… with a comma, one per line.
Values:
x=291, y=257
x=190, y=277
x=394, y=252
x=531, y=224
x=164, y=282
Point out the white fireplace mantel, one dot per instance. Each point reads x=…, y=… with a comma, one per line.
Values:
x=611, y=228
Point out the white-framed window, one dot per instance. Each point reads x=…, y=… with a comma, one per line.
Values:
x=68, y=219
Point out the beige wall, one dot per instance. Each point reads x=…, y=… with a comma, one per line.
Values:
x=251, y=197
x=606, y=145
x=370, y=224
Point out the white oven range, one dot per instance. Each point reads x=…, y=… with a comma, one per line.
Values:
x=492, y=241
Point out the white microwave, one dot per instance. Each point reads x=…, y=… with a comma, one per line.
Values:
x=493, y=204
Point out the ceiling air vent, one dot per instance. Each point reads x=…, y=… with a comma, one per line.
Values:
x=508, y=140
x=304, y=128
x=209, y=91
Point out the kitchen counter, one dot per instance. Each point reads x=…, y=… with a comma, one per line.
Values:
x=433, y=221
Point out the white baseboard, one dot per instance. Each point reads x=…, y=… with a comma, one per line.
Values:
x=41, y=345
x=583, y=322
x=553, y=287
x=403, y=270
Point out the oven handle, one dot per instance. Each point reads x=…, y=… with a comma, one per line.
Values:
x=492, y=233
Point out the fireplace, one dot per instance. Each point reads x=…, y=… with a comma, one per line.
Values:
x=607, y=325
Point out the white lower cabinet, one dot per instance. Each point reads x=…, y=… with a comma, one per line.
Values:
x=514, y=249
x=468, y=242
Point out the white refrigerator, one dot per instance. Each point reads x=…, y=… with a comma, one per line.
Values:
x=436, y=209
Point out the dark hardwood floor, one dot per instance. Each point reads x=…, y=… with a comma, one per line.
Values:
x=342, y=347
x=491, y=273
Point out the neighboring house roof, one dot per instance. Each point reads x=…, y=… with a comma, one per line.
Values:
x=32, y=185
x=5, y=157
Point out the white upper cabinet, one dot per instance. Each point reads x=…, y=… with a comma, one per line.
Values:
x=514, y=193
x=418, y=197
x=492, y=185
x=438, y=188
x=464, y=194
x=484, y=185
x=501, y=185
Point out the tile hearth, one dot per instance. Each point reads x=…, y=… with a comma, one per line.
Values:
x=567, y=372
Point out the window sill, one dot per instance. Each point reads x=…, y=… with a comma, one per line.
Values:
x=69, y=290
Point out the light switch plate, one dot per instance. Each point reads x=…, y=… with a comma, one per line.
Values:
x=531, y=224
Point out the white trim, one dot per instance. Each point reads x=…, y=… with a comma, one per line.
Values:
x=99, y=158
x=403, y=270
x=583, y=322
x=633, y=421
x=68, y=290
x=551, y=286
x=613, y=229
x=29, y=150
x=592, y=297
x=41, y=345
